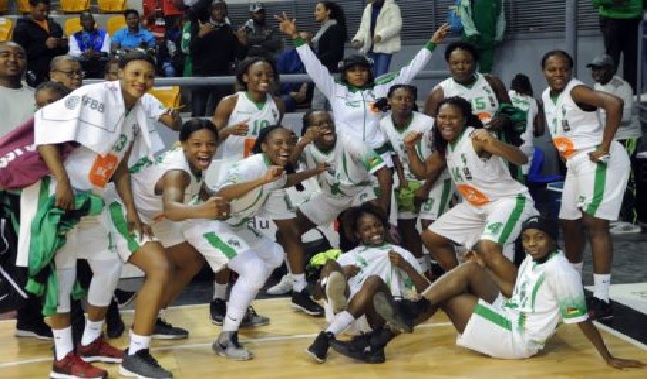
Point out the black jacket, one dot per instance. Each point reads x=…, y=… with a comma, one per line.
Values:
x=32, y=38
x=214, y=54
x=331, y=47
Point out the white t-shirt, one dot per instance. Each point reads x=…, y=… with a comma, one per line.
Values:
x=17, y=105
x=630, y=124
x=351, y=165
x=375, y=261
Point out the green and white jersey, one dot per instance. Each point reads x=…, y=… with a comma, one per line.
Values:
x=527, y=104
x=257, y=115
x=250, y=204
x=351, y=165
x=375, y=261
x=480, y=94
x=145, y=175
x=546, y=294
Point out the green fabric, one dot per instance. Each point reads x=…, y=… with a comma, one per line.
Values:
x=318, y=260
x=599, y=184
x=627, y=9
x=184, y=46
x=405, y=196
x=517, y=116
x=48, y=235
x=483, y=22
x=492, y=316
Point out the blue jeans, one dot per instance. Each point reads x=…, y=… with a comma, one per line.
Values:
x=381, y=63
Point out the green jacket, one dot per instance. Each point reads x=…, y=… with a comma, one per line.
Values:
x=624, y=9
x=483, y=21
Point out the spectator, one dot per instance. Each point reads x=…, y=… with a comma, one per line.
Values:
x=262, y=39
x=628, y=134
x=91, y=45
x=294, y=95
x=67, y=71
x=133, y=36
x=483, y=25
x=214, y=48
x=619, y=20
x=42, y=39
x=379, y=34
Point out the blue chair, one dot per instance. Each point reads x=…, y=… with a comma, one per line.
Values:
x=546, y=201
x=535, y=174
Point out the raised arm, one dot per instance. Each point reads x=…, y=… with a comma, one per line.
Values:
x=300, y=176
x=428, y=170
x=236, y=190
x=483, y=141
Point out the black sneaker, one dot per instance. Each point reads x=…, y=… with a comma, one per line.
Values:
x=115, y=326
x=218, y=310
x=165, y=331
x=599, y=309
x=143, y=365
x=303, y=302
x=392, y=312
x=34, y=329
x=319, y=348
x=252, y=318
x=124, y=298
x=360, y=350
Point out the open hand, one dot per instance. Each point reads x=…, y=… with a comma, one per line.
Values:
x=624, y=363
x=287, y=25
x=440, y=34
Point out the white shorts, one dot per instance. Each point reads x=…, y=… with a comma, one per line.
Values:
x=88, y=240
x=322, y=209
x=278, y=206
x=596, y=189
x=491, y=330
x=499, y=221
x=220, y=243
x=440, y=196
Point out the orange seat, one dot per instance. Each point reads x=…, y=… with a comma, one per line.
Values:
x=6, y=29
x=169, y=96
x=72, y=25
x=23, y=6
x=4, y=6
x=115, y=23
x=111, y=6
x=74, y=6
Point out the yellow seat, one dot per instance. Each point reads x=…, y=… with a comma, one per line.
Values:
x=72, y=25
x=3, y=6
x=115, y=23
x=74, y=6
x=6, y=29
x=169, y=96
x=111, y=6
x=23, y=6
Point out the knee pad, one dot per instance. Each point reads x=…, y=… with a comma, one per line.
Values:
x=66, y=278
x=250, y=268
x=105, y=277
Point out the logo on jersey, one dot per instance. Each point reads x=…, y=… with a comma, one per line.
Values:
x=233, y=242
x=72, y=102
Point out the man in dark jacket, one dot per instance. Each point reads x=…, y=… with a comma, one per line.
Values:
x=42, y=38
x=214, y=48
x=262, y=38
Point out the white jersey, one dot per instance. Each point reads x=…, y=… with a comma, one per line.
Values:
x=529, y=105
x=354, y=108
x=480, y=95
x=257, y=116
x=544, y=295
x=480, y=181
x=630, y=124
x=249, y=205
x=571, y=128
x=351, y=165
x=375, y=261
x=145, y=175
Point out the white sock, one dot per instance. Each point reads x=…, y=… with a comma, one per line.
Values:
x=241, y=296
x=138, y=343
x=161, y=313
x=92, y=331
x=298, y=282
x=340, y=322
x=219, y=290
x=578, y=267
x=601, y=284
x=62, y=342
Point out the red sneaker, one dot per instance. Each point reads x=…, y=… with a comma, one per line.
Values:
x=100, y=351
x=73, y=367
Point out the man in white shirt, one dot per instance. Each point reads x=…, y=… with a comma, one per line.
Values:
x=628, y=134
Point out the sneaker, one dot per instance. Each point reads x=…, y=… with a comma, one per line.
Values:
x=624, y=228
x=319, y=348
x=392, y=313
x=38, y=330
x=165, y=331
x=303, y=302
x=360, y=350
x=282, y=287
x=142, y=365
x=599, y=309
x=252, y=318
x=228, y=346
x=115, y=326
x=217, y=311
x=100, y=351
x=336, y=291
x=72, y=366
x=123, y=298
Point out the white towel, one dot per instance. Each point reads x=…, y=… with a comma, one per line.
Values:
x=93, y=116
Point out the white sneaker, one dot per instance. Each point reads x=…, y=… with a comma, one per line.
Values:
x=227, y=345
x=625, y=228
x=282, y=287
x=336, y=292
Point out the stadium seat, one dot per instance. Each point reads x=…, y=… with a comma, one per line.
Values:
x=23, y=6
x=72, y=25
x=111, y=6
x=169, y=96
x=6, y=29
x=115, y=23
x=4, y=7
x=74, y=6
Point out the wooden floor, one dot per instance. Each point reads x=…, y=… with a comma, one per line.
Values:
x=428, y=353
